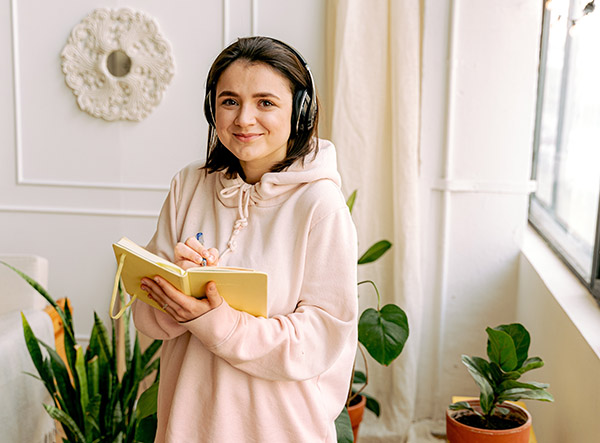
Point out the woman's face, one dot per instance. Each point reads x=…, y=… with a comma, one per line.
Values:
x=253, y=115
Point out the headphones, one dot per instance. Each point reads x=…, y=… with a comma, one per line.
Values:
x=304, y=108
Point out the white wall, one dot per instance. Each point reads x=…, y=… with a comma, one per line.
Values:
x=478, y=103
x=71, y=184
x=564, y=322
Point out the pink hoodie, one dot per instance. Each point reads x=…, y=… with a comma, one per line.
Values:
x=228, y=376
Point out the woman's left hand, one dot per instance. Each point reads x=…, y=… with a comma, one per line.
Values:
x=178, y=305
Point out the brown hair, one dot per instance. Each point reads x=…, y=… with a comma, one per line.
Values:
x=284, y=60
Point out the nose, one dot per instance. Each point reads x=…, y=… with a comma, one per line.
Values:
x=246, y=116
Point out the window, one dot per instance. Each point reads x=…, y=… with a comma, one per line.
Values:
x=566, y=163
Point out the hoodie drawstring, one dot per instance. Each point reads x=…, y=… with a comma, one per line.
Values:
x=243, y=192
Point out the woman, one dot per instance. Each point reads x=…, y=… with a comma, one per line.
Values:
x=267, y=198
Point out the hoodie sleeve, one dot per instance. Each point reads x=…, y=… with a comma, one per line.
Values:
x=148, y=320
x=307, y=342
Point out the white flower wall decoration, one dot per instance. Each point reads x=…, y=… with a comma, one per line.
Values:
x=117, y=64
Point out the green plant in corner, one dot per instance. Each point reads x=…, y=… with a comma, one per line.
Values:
x=91, y=401
x=382, y=331
x=507, y=349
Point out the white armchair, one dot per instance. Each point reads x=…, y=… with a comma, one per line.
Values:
x=23, y=419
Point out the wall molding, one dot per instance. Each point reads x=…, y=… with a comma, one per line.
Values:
x=19, y=166
x=77, y=211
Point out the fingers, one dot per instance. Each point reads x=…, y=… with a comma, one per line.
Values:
x=178, y=305
x=192, y=253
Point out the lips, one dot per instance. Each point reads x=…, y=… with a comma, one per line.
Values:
x=246, y=137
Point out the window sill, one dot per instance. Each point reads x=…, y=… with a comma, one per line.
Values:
x=574, y=298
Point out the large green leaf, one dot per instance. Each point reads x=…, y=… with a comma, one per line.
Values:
x=521, y=340
x=343, y=428
x=501, y=349
x=374, y=252
x=372, y=404
x=383, y=333
x=513, y=384
x=486, y=397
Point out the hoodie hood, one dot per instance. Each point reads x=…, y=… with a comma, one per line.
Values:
x=274, y=187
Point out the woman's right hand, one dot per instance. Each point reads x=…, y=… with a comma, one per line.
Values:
x=191, y=253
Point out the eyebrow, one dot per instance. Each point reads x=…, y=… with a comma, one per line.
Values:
x=257, y=95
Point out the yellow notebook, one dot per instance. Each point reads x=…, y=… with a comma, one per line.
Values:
x=243, y=289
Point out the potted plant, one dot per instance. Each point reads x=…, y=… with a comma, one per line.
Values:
x=492, y=418
x=91, y=400
x=382, y=331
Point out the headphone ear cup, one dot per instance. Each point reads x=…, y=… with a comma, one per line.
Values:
x=299, y=116
x=209, y=112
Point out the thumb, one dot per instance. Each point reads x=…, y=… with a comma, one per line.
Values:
x=212, y=294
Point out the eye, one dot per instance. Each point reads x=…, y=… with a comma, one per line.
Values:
x=229, y=102
x=267, y=103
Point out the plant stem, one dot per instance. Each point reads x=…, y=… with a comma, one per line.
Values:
x=376, y=290
x=362, y=388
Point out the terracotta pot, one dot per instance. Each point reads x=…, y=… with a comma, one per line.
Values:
x=459, y=433
x=356, y=414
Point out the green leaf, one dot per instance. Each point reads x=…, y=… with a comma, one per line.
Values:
x=351, y=200
x=374, y=252
x=150, y=351
x=81, y=375
x=67, y=421
x=146, y=429
x=372, y=404
x=147, y=403
x=529, y=364
x=521, y=340
x=343, y=428
x=525, y=394
x=359, y=378
x=461, y=405
x=35, y=353
x=501, y=349
x=512, y=384
x=383, y=333
x=486, y=397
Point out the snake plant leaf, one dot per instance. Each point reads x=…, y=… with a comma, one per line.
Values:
x=501, y=349
x=343, y=428
x=81, y=375
x=383, y=333
x=351, y=200
x=486, y=398
x=67, y=395
x=147, y=402
x=150, y=352
x=67, y=422
x=35, y=352
x=520, y=338
x=374, y=252
x=93, y=377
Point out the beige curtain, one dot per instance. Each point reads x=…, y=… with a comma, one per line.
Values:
x=374, y=50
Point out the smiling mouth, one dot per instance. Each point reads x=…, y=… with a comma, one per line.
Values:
x=246, y=137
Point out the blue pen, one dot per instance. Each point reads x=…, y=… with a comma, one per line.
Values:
x=200, y=238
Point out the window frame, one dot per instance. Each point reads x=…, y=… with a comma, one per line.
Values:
x=593, y=282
